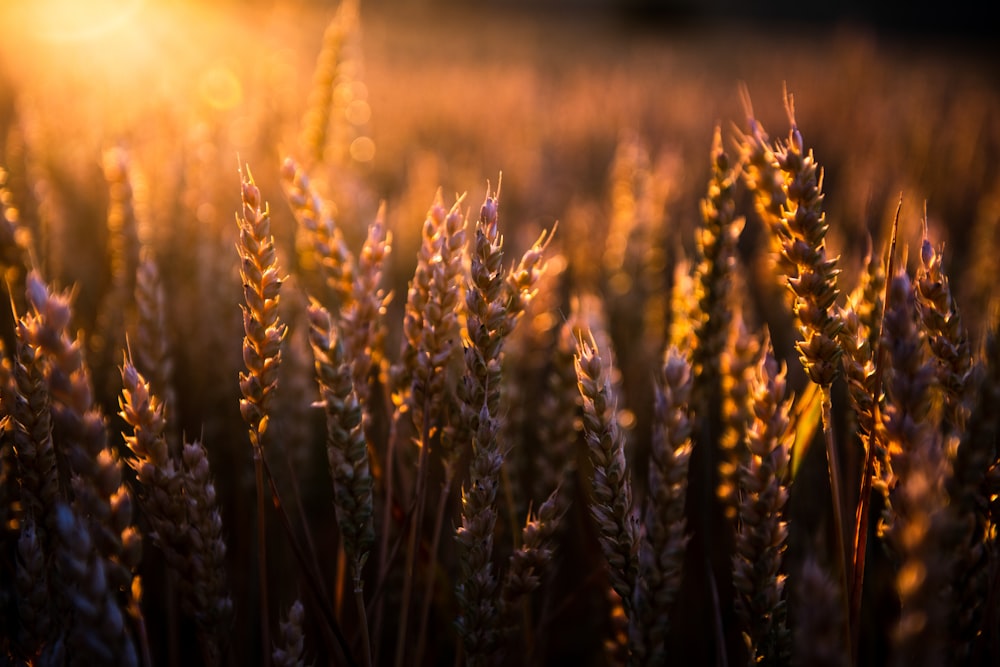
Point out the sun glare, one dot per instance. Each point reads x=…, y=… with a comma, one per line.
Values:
x=75, y=21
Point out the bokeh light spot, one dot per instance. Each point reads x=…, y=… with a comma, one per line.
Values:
x=363, y=149
x=220, y=88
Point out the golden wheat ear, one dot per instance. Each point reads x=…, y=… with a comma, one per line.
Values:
x=347, y=454
x=919, y=497
x=762, y=535
x=264, y=333
x=664, y=543
x=611, y=504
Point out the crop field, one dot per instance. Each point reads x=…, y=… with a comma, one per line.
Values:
x=439, y=333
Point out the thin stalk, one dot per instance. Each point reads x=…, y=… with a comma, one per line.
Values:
x=359, y=603
x=171, y=613
x=508, y=496
x=864, y=500
x=265, y=624
x=833, y=465
x=425, y=605
x=721, y=658
x=300, y=508
x=383, y=558
x=338, y=585
x=380, y=586
x=414, y=541
x=315, y=586
x=141, y=636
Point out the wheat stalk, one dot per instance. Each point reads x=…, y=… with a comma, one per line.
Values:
x=813, y=283
x=98, y=633
x=486, y=324
x=947, y=337
x=100, y=499
x=494, y=302
x=431, y=330
x=364, y=330
x=178, y=498
x=326, y=245
x=210, y=604
x=665, y=540
x=151, y=345
x=331, y=72
x=347, y=453
x=529, y=561
x=611, y=505
x=918, y=497
x=32, y=590
x=261, y=351
x=762, y=532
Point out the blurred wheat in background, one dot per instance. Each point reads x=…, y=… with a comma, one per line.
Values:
x=428, y=334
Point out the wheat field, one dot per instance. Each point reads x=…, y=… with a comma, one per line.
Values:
x=361, y=334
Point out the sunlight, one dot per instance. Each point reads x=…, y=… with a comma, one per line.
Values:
x=73, y=21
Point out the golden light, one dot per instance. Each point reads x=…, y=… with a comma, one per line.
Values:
x=362, y=149
x=220, y=88
x=75, y=21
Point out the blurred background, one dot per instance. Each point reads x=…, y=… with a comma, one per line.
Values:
x=894, y=98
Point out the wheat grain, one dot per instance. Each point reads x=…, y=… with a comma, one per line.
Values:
x=291, y=652
x=210, y=602
x=346, y=447
x=762, y=535
x=611, y=505
x=261, y=351
x=324, y=240
x=947, y=337
x=665, y=540
x=918, y=495
x=487, y=324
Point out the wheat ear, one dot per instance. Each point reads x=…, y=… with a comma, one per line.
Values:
x=494, y=302
x=529, y=561
x=918, y=495
x=178, y=498
x=970, y=494
x=151, y=345
x=28, y=428
x=261, y=352
x=326, y=244
x=611, y=505
x=347, y=453
x=813, y=284
x=291, y=652
x=946, y=334
x=665, y=541
x=431, y=328
x=486, y=315
x=762, y=533
x=101, y=502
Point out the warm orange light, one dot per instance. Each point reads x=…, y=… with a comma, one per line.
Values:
x=220, y=88
x=75, y=21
